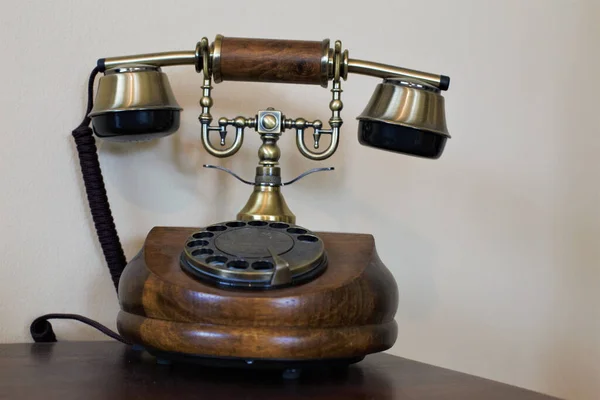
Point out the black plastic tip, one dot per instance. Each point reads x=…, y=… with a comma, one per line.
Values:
x=41, y=331
x=444, y=82
x=101, y=64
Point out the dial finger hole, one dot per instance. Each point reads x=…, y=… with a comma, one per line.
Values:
x=203, y=235
x=197, y=243
x=237, y=264
x=257, y=223
x=308, y=238
x=262, y=265
x=235, y=224
x=216, y=228
x=216, y=261
x=297, y=231
x=202, y=252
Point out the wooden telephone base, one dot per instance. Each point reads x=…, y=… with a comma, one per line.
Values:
x=344, y=314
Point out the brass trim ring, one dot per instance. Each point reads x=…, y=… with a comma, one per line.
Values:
x=216, y=59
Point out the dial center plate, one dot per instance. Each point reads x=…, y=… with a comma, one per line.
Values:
x=250, y=242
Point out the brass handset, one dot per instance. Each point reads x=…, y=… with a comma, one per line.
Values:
x=193, y=57
x=406, y=113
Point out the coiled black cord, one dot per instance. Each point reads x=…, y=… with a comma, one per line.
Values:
x=40, y=329
x=96, y=192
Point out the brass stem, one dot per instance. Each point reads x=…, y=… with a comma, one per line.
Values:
x=159, y=59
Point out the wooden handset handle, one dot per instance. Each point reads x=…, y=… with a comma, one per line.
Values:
x=270, y=60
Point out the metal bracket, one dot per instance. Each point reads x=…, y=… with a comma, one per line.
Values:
x=239, y=178
x=282, y=274
x=310, y=171
x=230, y=172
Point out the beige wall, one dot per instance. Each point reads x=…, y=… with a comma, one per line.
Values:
x=495, y=247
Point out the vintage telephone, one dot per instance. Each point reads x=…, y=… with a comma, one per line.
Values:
x=258, y=289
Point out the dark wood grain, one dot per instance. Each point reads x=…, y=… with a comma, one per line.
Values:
x=268, y=60
x=110, y=370
x=346, y=312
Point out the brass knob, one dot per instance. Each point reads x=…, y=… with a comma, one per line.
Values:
x=269, y=121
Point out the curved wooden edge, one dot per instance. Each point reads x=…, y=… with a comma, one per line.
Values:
x=257, y=343
x=356, y=289
x=346, y=312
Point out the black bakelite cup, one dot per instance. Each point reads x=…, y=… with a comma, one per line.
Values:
x=401, y=139
x=136, y=125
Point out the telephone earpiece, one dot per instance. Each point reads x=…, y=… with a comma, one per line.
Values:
x=405, y=116
x=134, y=103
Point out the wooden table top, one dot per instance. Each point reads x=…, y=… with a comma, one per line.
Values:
x=110, y=370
